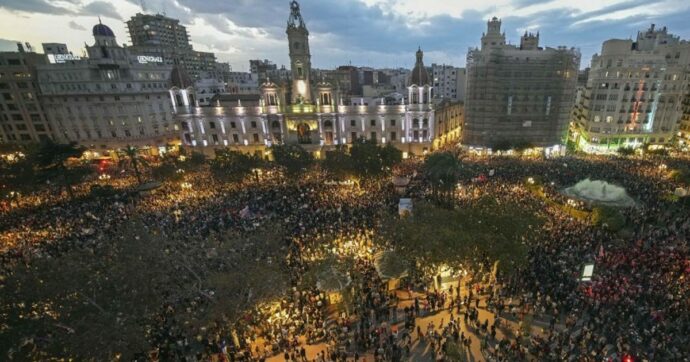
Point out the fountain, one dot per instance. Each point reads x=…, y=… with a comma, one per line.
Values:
x=600, y=192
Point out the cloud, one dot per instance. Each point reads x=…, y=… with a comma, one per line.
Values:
x=370, y=32
x=73, y=25
x=33, y=6
x=101, y=8
x=7, y=45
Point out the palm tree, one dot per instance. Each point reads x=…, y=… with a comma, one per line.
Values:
x=129, y=157
x=442, y=170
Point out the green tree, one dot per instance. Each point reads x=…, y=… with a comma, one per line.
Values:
x=371, y=160
x=196, y=160
x=235, y=166
x=52, y=162
x=131, y=159
x=484, y=233
x=608, y=217
x=167, y=171
x=681, y=175
x=502, y=145
x=338, y=163
x=17, y=176
x=625, y=151
x=293, y=158
x=442, y=170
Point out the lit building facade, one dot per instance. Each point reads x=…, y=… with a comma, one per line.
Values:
x=518, y=95
x=449, y=82
x=312, y=114
x=634, y=93
x=22, y=119
x=160, y=36
x=110, y=100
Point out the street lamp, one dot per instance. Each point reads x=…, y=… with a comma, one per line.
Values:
x=186, y=186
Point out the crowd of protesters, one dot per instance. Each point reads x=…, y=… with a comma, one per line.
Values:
x=636, y=303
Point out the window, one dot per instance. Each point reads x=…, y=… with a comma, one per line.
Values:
x=353, y=123
x=415, y=135
x=392, y=123
x=353, y=136
x=212, y=125
x=393, y=137
x=253, y=124
x=233, y=125
x=235, y=138
x=415, y=123
x=372, y=136
x=425, y=123
x=373, y=123
x=215, y=138
x=256, y=137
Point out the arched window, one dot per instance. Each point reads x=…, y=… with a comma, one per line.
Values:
x=303, y=134
x=275, y=124
x=415, y=123
x=415, y=96
x=328, y=124
x=425, y=123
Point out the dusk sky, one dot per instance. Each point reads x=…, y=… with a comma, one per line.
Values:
x=379, y=33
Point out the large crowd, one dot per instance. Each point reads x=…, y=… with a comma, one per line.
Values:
x=636, y=303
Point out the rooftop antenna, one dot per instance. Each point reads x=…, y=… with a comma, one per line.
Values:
x=99, y=19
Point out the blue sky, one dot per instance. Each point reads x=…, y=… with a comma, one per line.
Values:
x=379, y=33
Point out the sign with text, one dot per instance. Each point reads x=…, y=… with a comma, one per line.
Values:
x=144, y=59
x=61, y=58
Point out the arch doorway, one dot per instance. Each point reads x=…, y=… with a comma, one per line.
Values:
x=303, y=134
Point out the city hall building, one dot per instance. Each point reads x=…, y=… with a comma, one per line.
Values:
x=312, y=113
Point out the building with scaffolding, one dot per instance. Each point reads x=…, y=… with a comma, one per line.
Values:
x=518, y=96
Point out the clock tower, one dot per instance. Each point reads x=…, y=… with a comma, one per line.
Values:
x=300, y=58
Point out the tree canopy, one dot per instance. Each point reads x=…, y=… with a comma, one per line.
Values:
x=230, y=165
x=293, y=158
x=370, y=159
x=435, y=235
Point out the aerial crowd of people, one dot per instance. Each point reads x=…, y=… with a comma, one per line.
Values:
x=338, y=306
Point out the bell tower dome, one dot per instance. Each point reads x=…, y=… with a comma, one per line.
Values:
x=300, y=58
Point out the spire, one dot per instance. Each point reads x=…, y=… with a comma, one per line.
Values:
x=295, y=20
x=99, y=20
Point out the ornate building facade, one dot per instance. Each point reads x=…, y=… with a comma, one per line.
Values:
x=109, y=100
x=315, y=117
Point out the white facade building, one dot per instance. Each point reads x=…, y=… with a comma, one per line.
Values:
x=449, y=82
x=634, y=92
x=110, y=100
x=314, y=115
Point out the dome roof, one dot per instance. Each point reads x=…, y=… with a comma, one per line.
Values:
x=102, y=30
x=419, y=74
